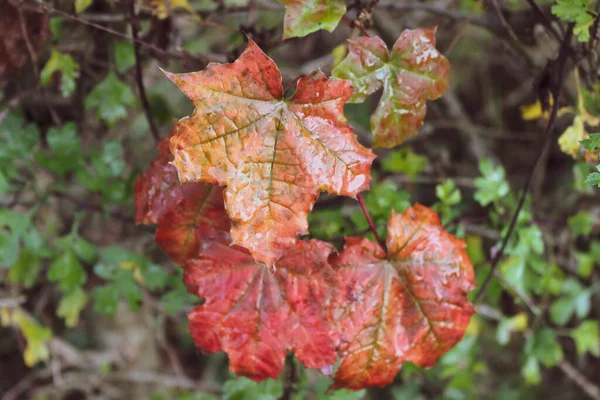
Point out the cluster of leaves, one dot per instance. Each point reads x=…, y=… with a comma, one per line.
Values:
x=264, y=291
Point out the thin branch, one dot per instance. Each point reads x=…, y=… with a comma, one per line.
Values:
x=584, y=383
x=371, y=223
x=354, y=24
x=12, y=301
x=556, y=92
x=36, y=71
x=135, y=27
x=166, y=53
x=544, y=19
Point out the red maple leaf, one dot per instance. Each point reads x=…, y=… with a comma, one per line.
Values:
x=187, y=214
x=408, y=305
x=255, y=313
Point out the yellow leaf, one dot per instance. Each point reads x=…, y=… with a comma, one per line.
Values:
x=519, y=322
x=82, y=5
x=530, y=112
x=338, y=54
x=36, y=335
x=569, y=140
x=160, y=8
x=474, y=326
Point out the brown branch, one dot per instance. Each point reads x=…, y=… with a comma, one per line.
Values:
x=135, y=28
x=556, y=92
x=584, y=383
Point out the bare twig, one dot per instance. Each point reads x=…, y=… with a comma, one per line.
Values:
x=135, y=27
x=556, y=91
x=584, y=383
x=12, y=301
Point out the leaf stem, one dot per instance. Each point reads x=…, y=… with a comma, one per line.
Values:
x=371, y=223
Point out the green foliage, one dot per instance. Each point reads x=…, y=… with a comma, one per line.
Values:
x=65, y=150
x=126, y=273
x=110, y=98
x=104, y=172
x=71, y=306
x=66, y=66
x=124, y=55
x=491, y=186
x=404, y=161
x=449, y=196
x=245, y=389
x=587, y=338
x=575, y=299
x=579, y=12
x=592, y=144
x=581, y=223
x=544, y=346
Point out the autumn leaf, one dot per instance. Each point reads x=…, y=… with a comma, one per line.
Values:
x=255, y=313
x=158, y=190
x=274, y=154
x=187, y=214
x=414, y=72
x=182, y=231
x=410, y=305
x=306, y=16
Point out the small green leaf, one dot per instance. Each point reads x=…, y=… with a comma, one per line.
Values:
x=544, y=346
x=492, y=186
x=241, y=388
x=582, y=223
x=26, y=270
x=67, y=271
x=68, y=68
x=70, y=306
x=111, y=98
x=404, y=161
x=531, y=371
x=577, y=11
x=154, y=277
x=592, y=142
x=587, y=338
x=106, y=299
x=84, y=250
x=124, y=55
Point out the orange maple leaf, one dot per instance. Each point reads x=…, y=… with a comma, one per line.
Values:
x=274, y=154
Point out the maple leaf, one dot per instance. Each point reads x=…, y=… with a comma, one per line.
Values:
x=187, y=214
x=274, y=154
x=413, y=72
x=410, y=305
x=182, y=231
x=255, y=313
x=306, y=16
x=158, y=190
